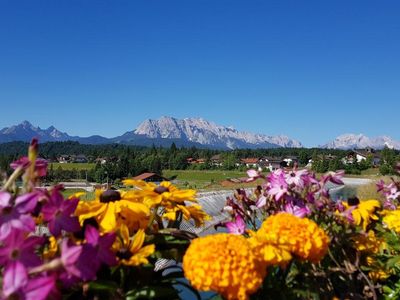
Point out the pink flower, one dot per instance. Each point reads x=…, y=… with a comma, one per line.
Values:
x=253, y=175
x=59, y=213
x=278, y=186
x=296, y=178
x=334, y=177
x=16, y=215
x=236, y=227
x=40, y=165
x=102, y=245
x=18, y=247
x=296, y=210
x=17, y=285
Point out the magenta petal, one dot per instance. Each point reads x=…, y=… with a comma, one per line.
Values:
x=39, y=288
x=69, y=256
x=26, y=203
x=4, y=199
x=262, y=201
x=15, y=277
x=91, y=235
x=69, y=206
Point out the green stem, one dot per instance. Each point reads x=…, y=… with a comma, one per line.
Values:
x=14, y=176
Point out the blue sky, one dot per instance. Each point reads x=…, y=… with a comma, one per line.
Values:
x=309, y=69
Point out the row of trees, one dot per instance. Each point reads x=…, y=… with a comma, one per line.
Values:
x=124, y=160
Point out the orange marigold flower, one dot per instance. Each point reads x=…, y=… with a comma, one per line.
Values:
x=301, y=237
x=224, y=263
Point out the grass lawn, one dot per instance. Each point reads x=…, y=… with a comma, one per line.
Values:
x=206, y=179
x=71, y=166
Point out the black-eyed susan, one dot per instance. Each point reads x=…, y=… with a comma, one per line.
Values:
x=110, y=209
x=363, y=212
x=129, y=250
x=224, y=263
x=163, y=194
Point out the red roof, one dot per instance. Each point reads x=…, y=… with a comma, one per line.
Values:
x=144, y=176
x=249, y=160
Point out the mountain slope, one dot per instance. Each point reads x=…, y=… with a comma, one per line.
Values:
x=358, y=141
x=162, y=132
x=210, y=134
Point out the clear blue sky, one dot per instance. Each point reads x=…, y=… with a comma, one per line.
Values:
x=308, y=69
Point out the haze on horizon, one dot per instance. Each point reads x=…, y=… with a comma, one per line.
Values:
x=310, y=70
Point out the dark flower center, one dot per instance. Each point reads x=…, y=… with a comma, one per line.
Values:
x=110, y=196
x=7, y=210
x=353, y=201
x=124, y=254
x=161, y=189
x=15, y=254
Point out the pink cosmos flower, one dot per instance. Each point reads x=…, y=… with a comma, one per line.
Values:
x=58, y=212
x=16, y=215
x=278, y=186
x=17, y=284
x=236, y=227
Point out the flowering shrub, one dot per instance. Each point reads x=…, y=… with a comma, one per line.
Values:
x=55, y=247
x=286, y=239
x=311, y=246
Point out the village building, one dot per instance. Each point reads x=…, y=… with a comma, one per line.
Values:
x=150, y=177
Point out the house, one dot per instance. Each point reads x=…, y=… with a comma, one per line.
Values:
x=291, y=160
x=359, y=155
x=80, y=159
x=150, y=177
x=272, y=163
x=63, y=159
x=250, y=162
x=216, y=160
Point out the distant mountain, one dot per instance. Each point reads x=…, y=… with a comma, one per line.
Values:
x=209, y=134
x=359, y=141
x=162, y=132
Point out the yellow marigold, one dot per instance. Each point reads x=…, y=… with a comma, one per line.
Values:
x=378, y=275
x=392, y=219
x=224, y=263
x=301, y=237
x=369, y=243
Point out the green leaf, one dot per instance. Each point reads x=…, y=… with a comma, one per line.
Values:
x=103, y=285
x=153, y=292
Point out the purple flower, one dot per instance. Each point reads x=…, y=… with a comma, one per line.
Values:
x=253, y=175
x=18, y=247
x=297, y=210
x=17, y=285
x=58, y=212
x=380, y=185
x=334, y=177
x=69, y=257
x=236, y=227
x=102, y=245
x=261, y=202
x=24, y=162
x=16, y=215
x=296, y=178
x=278, y=186
x=393, y=193
x=389, y=205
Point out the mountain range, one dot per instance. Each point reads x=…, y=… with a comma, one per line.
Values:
x=189, y=132
x=360, y=141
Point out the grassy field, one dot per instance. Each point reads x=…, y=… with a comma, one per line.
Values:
x=71, y=166
x=205, y=179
